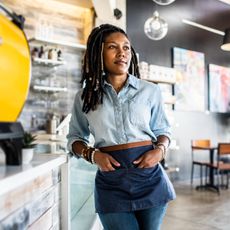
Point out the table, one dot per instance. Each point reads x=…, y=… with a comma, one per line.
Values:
x=211, y=184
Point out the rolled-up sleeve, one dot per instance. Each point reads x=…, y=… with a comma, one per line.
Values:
x=78, y=125
x=159, y=123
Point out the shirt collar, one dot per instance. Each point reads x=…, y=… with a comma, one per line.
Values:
x=132, y=81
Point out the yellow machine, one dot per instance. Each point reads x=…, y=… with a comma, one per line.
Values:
x=15, y=65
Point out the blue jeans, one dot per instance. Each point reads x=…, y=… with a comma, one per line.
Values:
x=147, y=219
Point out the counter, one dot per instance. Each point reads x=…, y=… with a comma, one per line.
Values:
x=36, y=194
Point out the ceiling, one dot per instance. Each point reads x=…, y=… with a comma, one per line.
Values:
x=81, y=3
x=89, y=3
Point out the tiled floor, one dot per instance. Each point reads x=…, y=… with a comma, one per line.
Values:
x=198, y=210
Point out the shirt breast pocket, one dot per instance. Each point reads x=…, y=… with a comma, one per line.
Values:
x=139, y=113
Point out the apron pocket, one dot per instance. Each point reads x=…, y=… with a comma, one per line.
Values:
x=111, y=178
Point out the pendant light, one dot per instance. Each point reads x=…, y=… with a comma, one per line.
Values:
x=155, y=27
x=164, y=2
x=226, y=41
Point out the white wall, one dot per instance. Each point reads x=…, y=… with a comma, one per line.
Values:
x=104, y=10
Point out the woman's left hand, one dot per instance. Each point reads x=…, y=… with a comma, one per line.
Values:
x=149, y=159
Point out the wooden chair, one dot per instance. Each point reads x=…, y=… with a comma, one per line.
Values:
x=221, y=166
x=196, y=146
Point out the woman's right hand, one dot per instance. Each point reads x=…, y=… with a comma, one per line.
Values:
x=105, y=162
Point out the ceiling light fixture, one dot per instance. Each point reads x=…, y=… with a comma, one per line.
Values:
x=226, y=34
x=155, y=27
x=202, y=27
x=226, y=41
x=164, y=2
x=225, y=1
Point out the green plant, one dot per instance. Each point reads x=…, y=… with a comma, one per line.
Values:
x=28, y=140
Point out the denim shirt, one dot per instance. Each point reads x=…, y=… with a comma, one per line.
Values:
x=134, y=114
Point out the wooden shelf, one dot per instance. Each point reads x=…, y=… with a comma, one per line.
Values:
x=171, y=82
x=169, y=99
x=47, y=62
x=39, y=41
x=49, y=88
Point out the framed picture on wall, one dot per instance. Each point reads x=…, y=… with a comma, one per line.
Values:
x=190, y=86
x=219, y=88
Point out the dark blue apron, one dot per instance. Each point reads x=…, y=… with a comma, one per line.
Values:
x=129, y=188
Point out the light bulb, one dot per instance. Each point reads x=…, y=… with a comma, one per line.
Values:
x=155, y=27
x=164, y=2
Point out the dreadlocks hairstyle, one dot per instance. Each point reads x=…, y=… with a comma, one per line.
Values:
x=93, y=68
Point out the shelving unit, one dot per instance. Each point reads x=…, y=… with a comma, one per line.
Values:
x=49, y=62
x=162, y=75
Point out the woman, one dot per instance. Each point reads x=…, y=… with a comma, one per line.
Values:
x=126, y=118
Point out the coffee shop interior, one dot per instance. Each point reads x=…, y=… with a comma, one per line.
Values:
x=182, y=45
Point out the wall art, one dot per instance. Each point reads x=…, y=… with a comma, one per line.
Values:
x=219, y=88
x=190, y=86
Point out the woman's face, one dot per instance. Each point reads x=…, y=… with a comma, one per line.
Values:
x=116, y=54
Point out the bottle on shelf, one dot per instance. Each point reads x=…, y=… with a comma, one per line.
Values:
x=41, y=52
x=50, y=54
x=34, y=52
x=52, y=124
x=59, y=55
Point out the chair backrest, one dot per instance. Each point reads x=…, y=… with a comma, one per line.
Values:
x=223, y=149
x=201, y=143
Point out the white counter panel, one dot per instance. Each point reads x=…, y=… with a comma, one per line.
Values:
x=14, y=176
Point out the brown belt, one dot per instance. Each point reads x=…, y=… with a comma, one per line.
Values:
x=125, y=146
